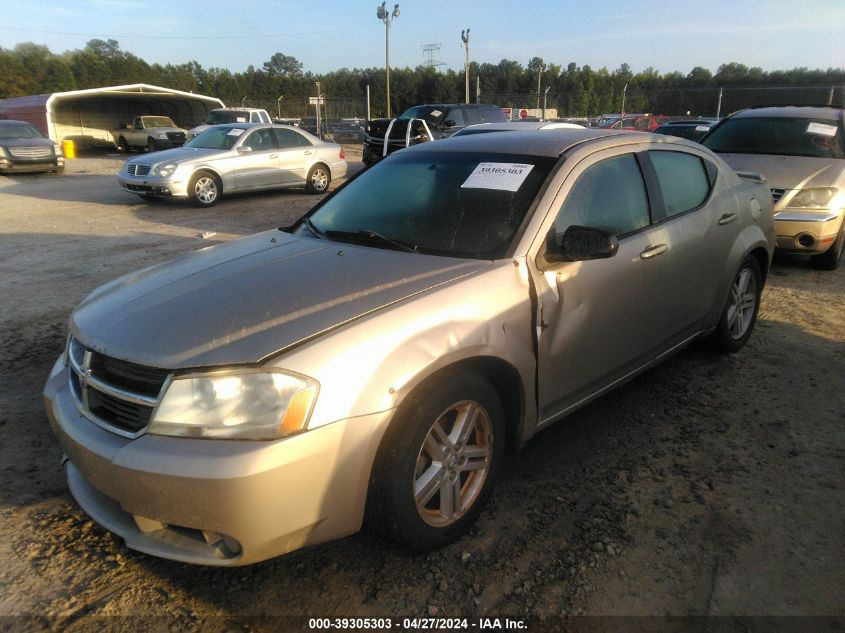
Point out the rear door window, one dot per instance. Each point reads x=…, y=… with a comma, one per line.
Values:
x=289, y=139
x=682, y=179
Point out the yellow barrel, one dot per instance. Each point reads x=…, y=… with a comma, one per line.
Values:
x=68, y=148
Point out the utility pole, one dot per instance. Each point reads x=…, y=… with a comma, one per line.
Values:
x=368, y=102
x=279, y=105
x=477, y=89
x=719, y=103
x=545, y=94
x=622, y=114
x=319, y=127
x=539, y=77
x=465, y=40
x=387, y=17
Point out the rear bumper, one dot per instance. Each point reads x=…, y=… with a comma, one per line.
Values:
x=217, y=502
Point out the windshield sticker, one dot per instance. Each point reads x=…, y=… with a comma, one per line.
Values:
x=241, y=119
x=235, y=131
x=436, y=113
x=501, y=176
x=821, y=128
x=702, y=128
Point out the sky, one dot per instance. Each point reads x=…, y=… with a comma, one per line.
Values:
x=329, y=34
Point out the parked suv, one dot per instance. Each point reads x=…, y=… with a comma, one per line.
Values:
x=800, y=151
x=424, y=123
x=230, y=115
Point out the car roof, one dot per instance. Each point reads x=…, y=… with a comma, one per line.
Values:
x=551, y=143
x=798, y=112
x=521, y=125
x=15, y=122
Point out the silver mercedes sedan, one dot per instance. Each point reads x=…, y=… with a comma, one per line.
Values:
x=235, y=157
x=372, y=362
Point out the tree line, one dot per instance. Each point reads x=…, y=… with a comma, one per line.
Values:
x=574, y=90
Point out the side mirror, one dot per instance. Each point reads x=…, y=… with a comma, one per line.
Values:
x=580, y=243
x=419, y=138
x=244, y=149
x=448, y=123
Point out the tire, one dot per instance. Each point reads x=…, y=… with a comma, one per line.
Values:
x=122, y=145
x=429, y=519
x=740, y=312
x=204, y=189
x=829, y=260
x=318, y=179
x=150, y=146
x=58, y=170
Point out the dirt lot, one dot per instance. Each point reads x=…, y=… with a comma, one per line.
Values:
x=710, y=486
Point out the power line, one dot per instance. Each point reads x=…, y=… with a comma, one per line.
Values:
x=188, y=37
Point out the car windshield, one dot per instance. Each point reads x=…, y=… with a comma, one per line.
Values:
x=431, y=114
x=459, y=204
x=228, y=116
x=783, y=136
x=222, y=137
x=18, y=130
x=157, y=121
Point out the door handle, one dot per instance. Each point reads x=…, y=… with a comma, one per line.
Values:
x=274, y=155
x=653, y=251
x=309, y=152
x=727, y=218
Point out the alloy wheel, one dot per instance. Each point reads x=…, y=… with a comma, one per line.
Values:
x=453, y=463
x=742, y=303
x=206, y=189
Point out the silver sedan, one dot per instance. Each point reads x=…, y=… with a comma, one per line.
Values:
x=235, y=157
x=372, y=361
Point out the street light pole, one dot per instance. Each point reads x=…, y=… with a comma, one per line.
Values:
x=279, y=105
x=465, y=40
x=387, y=17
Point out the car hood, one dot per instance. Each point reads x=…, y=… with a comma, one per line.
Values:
x=789, y=172
x=177, y=155
x=26, y=142
x=246, y=300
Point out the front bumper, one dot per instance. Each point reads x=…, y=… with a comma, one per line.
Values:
x=807, y=231
x=217, y=502
x=152, y=186
x=10, y=164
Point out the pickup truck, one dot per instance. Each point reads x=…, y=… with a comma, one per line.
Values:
x=423, y=123
x=149, y=133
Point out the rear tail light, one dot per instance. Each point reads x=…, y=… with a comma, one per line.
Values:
x=342, y=155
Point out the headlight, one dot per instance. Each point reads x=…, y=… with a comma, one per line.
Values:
x=162, y=136
x=58, y=150
x=164, y=170
x=2, y=153
x=819, y=197
x=249, y=404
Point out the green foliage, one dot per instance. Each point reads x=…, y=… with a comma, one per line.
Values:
x=575, y=91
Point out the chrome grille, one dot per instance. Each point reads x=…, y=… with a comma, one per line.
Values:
x=114, y=394
x=176, y=136
x=30, y=152
x=137, y=170
x=777, y=194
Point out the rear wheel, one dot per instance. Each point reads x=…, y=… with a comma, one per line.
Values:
x=318, y=179
x=122, y=145
x=740, y=312
x=438, y=462
x=151, y=145
x=829, y=260
x=204, y=189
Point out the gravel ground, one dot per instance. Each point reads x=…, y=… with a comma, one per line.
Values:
x=712, y=485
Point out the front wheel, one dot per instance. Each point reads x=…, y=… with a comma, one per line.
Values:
x=318, y=179
x=438, y=462
x=204, y=189
x=740, y=312
x=829, y=260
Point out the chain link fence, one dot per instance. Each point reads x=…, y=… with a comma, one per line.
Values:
x=694, y=102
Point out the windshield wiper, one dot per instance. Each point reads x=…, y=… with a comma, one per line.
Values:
x=311, y=227
x=388, y=240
